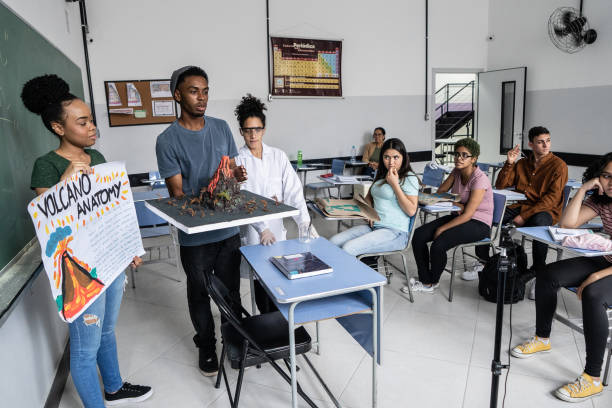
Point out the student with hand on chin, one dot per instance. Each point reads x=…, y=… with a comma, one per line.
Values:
x=592, y=276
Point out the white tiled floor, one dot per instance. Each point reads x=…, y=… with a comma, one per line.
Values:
x=435, y=353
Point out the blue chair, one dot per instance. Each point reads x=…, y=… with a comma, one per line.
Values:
x=484, y=167
x=387, y=267
x=156, y=180
x=432, y=177
x=336, y=169
x=577, y=324
x=151, y=225
x=499, y=208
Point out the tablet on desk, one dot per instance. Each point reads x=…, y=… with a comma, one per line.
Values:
x=302, y=265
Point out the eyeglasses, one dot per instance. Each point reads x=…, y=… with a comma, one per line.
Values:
x=250, y=131
x=463, y=155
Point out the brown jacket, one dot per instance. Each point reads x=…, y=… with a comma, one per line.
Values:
x=543, y=186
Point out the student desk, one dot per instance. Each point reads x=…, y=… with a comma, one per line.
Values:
x=347, y=292
x=511, y=195
x=541, y=234
x=305, y=168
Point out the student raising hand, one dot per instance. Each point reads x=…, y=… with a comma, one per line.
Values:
x=513, y=154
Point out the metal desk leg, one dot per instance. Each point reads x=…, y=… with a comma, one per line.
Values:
x=252, y=283
x=318, y=340
x=374, y=347
x=294, y=397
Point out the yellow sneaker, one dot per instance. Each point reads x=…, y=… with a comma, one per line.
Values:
x=581, y=389
x=532, y=346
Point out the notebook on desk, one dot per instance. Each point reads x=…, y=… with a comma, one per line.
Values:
x=295, y=266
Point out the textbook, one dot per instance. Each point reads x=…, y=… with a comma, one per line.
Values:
x=558, y=234
x=302, y=265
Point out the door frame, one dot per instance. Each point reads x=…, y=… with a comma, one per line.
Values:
x=432, y=100
x=524, y=102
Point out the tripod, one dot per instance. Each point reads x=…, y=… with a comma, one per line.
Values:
x=505, y=265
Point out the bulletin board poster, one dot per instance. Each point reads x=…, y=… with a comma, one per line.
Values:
x=303, y=67
x=88, y=233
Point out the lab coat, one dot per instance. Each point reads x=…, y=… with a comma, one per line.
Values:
x=271, y=176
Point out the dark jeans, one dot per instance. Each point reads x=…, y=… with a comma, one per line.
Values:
x=221, y=258
x=596, y=298
x=470, y=231
x=539, y=249
x=264, y=302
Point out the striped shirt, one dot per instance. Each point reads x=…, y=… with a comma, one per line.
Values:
x=605, y=213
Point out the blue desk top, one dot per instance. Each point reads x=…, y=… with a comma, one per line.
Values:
x=541, y=234
x=349, y=274
x=150, y=194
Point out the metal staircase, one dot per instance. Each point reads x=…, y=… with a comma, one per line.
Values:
x=454, y=112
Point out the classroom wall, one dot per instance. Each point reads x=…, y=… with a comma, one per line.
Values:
x=570, y=94
x=33, y=338
x=383, y=65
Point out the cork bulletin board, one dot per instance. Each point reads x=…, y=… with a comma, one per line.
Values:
x=139, y=102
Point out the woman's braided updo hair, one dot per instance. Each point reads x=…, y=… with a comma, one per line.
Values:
x=46, y=96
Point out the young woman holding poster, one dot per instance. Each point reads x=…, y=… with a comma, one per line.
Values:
x=92, y=334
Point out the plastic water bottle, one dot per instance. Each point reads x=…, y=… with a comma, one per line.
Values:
x=353, y=154
x=299, y=158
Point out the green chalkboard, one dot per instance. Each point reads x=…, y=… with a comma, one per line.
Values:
x=24, y=54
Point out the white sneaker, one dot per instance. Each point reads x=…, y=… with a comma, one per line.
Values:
x=473, y=274
x=417, y=286
x=531, y=289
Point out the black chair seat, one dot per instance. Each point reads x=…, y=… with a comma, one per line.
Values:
x=271, y=332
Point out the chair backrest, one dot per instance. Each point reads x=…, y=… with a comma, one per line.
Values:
x=432, y=176
x=566, y=195
x=146, y=217
x=411, y=225
x=154, y=175
x=483, y=166
x=499, y=208
x=227, y=308
x=337, y=166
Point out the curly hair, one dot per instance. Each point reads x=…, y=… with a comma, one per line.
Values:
x=594, y=171
x=470, y=144
x=47, y=96
x=249, y=107
x=404, y=169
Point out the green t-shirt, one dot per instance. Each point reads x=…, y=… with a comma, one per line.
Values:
x=48, y=169
x=375, y=155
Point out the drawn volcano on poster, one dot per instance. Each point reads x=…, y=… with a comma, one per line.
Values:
x=79, y=283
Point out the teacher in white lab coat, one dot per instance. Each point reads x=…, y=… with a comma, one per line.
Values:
x=270, y=175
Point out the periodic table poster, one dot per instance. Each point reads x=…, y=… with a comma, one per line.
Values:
x=302, y=67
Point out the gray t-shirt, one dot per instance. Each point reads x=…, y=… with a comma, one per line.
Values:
x=195, y=155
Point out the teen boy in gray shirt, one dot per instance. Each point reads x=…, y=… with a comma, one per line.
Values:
x=188, y=153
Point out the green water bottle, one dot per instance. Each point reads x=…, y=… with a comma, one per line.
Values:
x=299, y=158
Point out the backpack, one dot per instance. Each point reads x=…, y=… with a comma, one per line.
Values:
x=518, y=275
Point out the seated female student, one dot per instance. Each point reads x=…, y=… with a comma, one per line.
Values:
x=593, y=278
x=394, y=195
x=471, y=224
x=371, y=153
x=270, y=175
x=69, y=118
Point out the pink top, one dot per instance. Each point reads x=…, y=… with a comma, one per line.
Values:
x=605, y=213
x=477, y=181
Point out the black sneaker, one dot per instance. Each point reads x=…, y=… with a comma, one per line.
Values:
x=209, y=365
x=128, y=393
